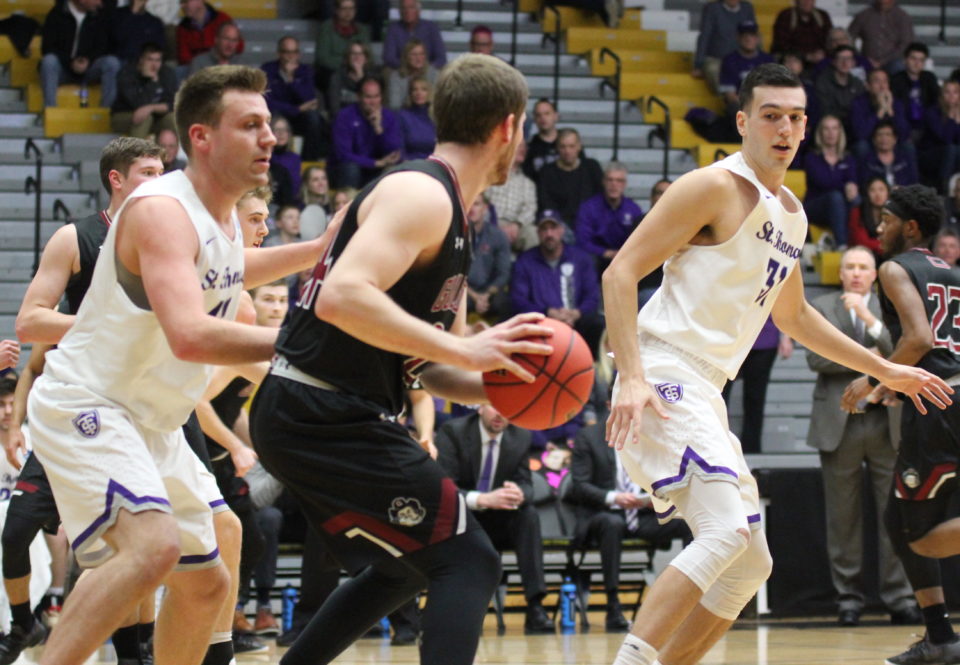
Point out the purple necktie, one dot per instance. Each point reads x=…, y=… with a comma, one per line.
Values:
x=486, y=476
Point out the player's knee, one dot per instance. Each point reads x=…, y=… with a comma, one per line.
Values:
x=714, y=549
x=229, y=533
x=740, y=581
x=16, y=539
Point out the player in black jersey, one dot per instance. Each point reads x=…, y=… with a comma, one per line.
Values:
x=377, y=312
x=920, y=301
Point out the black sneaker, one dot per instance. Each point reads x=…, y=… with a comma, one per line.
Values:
x=289, y=637
x=14, y=642
x=248, y=643
x=925, y=652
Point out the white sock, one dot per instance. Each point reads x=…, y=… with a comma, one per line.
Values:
x=635, y=651
x=219, y=637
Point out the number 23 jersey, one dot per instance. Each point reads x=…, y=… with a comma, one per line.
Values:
x=939, y=286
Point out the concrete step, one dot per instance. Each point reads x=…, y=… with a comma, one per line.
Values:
x=55, y=177
x=18, y=235
x=12, y=150
x=20, y=206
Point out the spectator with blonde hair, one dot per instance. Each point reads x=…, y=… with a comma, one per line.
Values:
x=419, y=132
x=831, y=179
x=413, y=63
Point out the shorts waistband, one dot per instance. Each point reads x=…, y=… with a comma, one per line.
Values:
x=711, y=373
x=280, y=366
x=953, y=380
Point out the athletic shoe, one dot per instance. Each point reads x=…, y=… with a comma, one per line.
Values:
x=248, y=643
x=240, y=622
x=50, y=616
x=14, y=642
x=289, y=637
x=265, y=623
x=925, y=652
x=404, y=637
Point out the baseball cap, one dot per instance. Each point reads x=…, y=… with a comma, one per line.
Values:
x=747, y=26
x=549, y=215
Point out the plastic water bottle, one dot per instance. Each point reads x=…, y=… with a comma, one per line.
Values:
x=568, y=600
x=289, y=600
x=84, y=96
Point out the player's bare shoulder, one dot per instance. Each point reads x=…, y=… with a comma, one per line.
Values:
x=405, y=190
x=714, y=200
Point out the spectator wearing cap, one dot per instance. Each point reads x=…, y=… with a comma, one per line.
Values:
x=291, y=93
x=718, y=37
x=738, y=63
x=412, y=26
x=885, y=31
x=481, y=40
x=490, y=269
x=558, y=280
x=802, y=29
x=198, y=29
x=605, y=220
x=916, y=87
x=569, y=181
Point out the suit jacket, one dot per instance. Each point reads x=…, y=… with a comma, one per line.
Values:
x=594, y=472
x=827, y=421
x=460, y=451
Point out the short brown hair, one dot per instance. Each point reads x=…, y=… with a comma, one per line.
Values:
x=121, y=153
x=200, y=98
x=473, y=95
x=263, y=193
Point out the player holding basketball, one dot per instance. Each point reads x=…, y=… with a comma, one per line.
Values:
x=735, y=227
x=919, y=304
x=105, y=416
x=388, y=303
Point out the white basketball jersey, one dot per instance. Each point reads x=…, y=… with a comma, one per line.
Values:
x=715, y=299
x=118, y=350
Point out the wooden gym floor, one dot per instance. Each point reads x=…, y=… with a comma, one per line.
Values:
x=806, y=642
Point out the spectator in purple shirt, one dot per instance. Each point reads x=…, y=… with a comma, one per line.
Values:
x=411, y=26
x=291, y=93
x=366, y=138
x=605, y=220
x=917, y=88
x=940, y=146
x=831, y=179
x=284, y=154
x=419, y=132
x=738, y=63
x=559, y=281
x=870, y=107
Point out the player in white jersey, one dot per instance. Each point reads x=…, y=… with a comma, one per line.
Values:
x=731, y=237
x=105, y=416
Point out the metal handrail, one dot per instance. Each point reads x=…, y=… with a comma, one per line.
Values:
x=719, y=154
x=943, y=21
x=59, y=207
x=652, y=101
x=459, y=20
x=616, y=89
x=34, y=183
x=513, y=33
x=556, y=53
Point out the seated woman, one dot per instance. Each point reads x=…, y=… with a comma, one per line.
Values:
x=419, y=133
x=940, y=143
x=865, y=218
x=315, y=195
x=413, y=62
x=283, y=152
x=831, y=179
x=344, y=85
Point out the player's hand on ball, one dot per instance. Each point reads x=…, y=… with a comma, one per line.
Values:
x=492, y=348
x=916, y=383
x=626, y=414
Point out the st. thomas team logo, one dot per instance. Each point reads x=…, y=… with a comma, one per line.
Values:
x=670, y=392
x=87, y=423
x=406, y=511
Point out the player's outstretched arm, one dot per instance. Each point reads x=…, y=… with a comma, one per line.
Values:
x=403, y=222
x=797, y=318
x=687, y=207
x=169, y=274
x=263, y=265
x=38, y=319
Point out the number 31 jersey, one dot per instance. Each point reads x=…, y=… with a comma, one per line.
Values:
x=715, y=298
x=939, y=285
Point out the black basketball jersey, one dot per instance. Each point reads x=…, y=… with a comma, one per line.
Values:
x=432, y=293
x=939, y=285
x=227, y=405
x=91, y=232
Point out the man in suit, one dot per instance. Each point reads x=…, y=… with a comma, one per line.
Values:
x=487, y=458
x=847, y=441
x=609, y=508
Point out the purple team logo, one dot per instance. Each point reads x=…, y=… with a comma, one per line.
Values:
x=87, y=423
x=670, y=392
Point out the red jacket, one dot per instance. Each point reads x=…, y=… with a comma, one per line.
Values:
x=192, y=42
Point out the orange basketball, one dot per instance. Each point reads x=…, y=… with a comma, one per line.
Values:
x=562, y=386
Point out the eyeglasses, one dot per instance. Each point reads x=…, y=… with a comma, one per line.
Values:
x=291, y=51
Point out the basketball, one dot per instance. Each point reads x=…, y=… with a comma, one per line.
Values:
x=562, y=386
